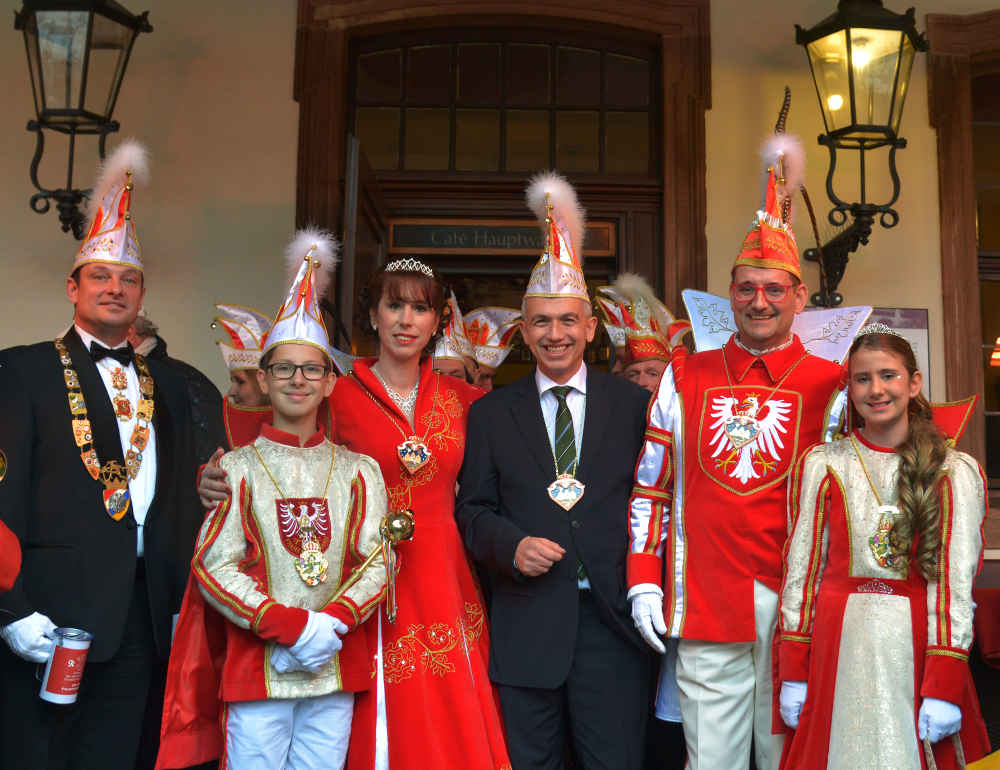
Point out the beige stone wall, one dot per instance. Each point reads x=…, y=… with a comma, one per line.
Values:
x=210, y=92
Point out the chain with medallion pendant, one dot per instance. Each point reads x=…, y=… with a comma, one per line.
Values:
x=881, y=542
x=111, y=474
x=742, y=427
x=413, y=451
x=311, y=563
x=567, y=490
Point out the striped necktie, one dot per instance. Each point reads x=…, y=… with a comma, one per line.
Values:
x=565, y=439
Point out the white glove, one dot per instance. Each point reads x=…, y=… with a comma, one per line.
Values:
x=283, y=661
x=790, y=701
x=938, y=719
x=29, y=638
x=318, y=642
x=647, y=614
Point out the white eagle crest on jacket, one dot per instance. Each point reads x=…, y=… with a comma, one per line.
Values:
x=304, y=523
x=748, y=446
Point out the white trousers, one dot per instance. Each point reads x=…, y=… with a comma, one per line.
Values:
x=289, y=733
x=725, y=694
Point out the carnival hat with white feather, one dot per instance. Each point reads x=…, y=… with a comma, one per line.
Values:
x=490, y=331
x=770, y=242
x=311, y=258
x=559, y=271
x=453, y=343
x=649, y=328
x=246, y=328
x=111, y=236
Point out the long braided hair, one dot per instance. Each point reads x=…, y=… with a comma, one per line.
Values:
x=921, y=467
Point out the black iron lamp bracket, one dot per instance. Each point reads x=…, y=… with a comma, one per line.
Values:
x=834, y=255
x=68, y=200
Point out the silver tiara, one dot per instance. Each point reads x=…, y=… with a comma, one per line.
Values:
x=409, y=265
x=877, y=328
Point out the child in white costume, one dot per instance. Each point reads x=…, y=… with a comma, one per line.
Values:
x=303, y=513
x=876, y=609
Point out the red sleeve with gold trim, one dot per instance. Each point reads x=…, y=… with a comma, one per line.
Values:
x=949, y=597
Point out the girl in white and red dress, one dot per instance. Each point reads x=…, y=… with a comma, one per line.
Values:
x=876, y=609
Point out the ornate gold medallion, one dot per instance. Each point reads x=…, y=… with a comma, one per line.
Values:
x=566, y=491
x=3, y=465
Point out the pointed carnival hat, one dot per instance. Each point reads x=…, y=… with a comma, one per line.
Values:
x=453, y=342
x=649, y=329
x=612, y=305
x=111, y=236
x=311, y=258
x=490, y=331
x=246, y=328
x=559, y=271
x=771, y=242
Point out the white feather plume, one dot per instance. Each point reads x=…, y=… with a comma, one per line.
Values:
x=566, y=209
x=788, y=147
x=635, y=286
x=130, y=155
x=320, y=245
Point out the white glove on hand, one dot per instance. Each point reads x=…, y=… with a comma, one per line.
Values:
x=283, y=661
x=790, y=702
x=938, y=719
x=28, y=637
x=318, y=642
x=647, y=614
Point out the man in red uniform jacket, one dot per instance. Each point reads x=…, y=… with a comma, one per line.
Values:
x=708, y=509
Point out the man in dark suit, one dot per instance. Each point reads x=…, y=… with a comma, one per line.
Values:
x=99, y=490
x=548, y=470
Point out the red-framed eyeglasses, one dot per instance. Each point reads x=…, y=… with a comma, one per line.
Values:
x=747, y=292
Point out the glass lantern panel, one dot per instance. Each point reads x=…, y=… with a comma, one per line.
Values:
x=828, y=59
x=34, y=65
x=428, y=138
x=577, y=141
x=378, y=130
x=905, y=65
x=109, y=46
x=527, y=140
x=874, y=62
x=62, y=45
x=626, y=143
x=477, y=140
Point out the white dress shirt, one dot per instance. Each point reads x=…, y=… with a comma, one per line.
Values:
x=576, y=401
x=143, y=486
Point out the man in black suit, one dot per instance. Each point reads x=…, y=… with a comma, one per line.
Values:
x=99, y=490
x=549, y=463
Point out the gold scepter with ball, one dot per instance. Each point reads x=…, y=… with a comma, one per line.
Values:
x=394, y=528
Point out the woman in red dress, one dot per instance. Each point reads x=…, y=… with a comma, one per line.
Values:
x=433, y=705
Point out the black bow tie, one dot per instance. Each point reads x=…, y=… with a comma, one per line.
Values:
x=121, y=355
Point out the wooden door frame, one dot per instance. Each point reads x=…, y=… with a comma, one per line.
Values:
x=327, y=27
x=960, y=48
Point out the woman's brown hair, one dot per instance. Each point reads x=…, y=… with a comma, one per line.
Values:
x=408, y=286
x=921, y=466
